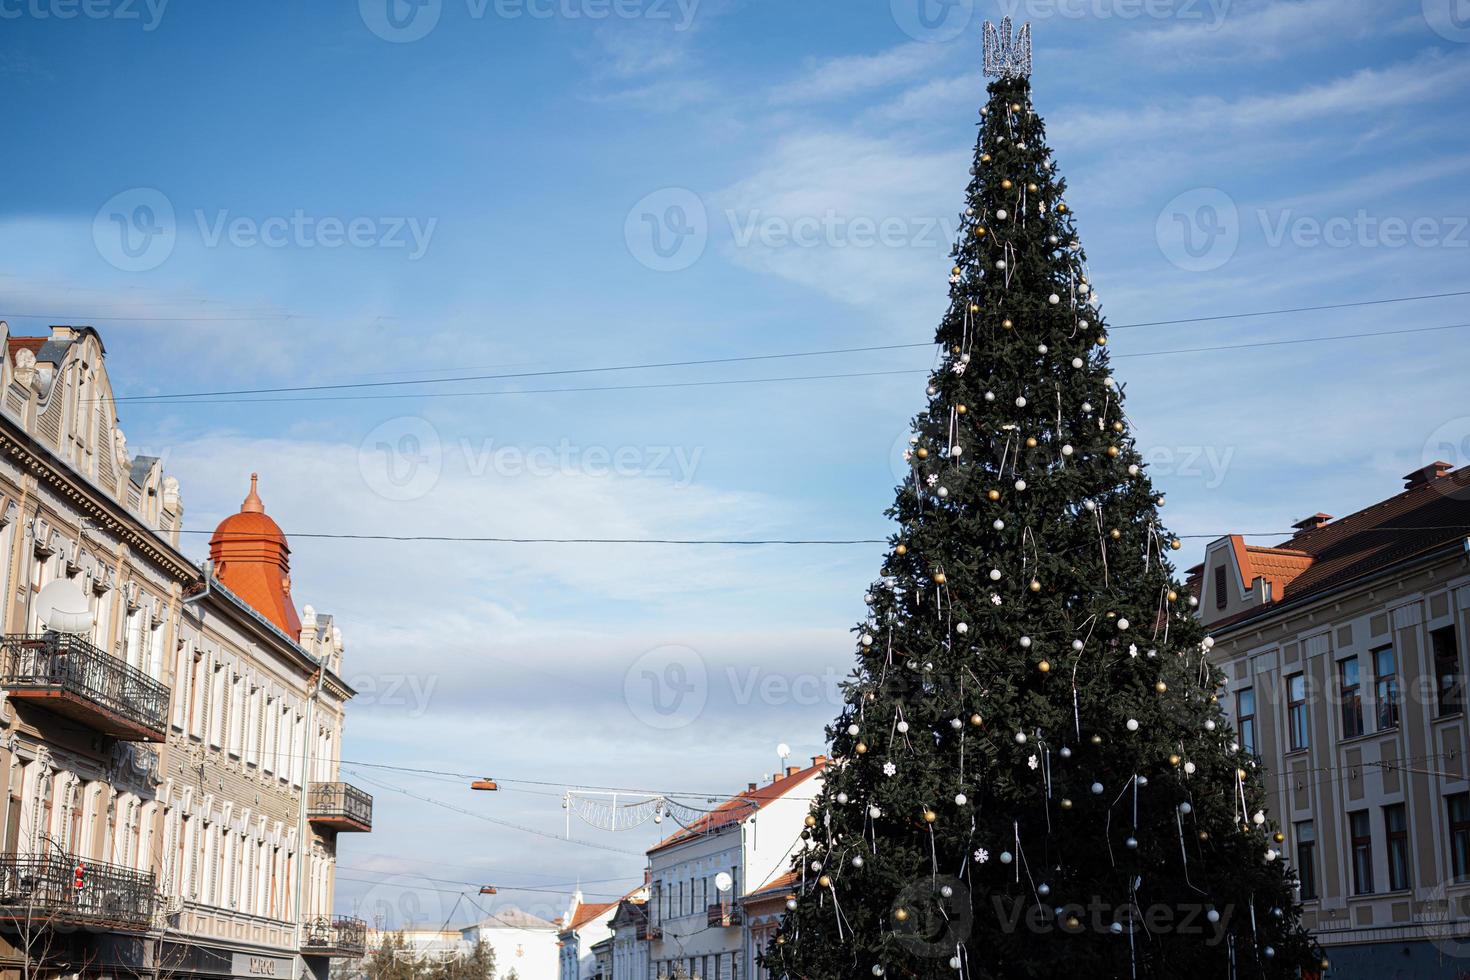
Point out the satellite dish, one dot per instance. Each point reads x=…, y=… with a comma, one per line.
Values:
x=61, y=606
x=783, y=750
x=723, y=881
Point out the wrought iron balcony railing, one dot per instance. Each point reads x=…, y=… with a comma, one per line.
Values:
x=340, y=806
x=71, y=677
x=41, y=891
x=723, y=915
x=342, y=935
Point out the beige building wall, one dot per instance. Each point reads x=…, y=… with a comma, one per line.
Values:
x=1417, y=762
x=212, y=807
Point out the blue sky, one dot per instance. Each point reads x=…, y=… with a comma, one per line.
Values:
x=303, y=195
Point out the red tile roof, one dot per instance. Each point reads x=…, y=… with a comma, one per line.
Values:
x=1432, y=512
x=33, y=344
x=736, y=809
x=781, y=883
x=588, y=911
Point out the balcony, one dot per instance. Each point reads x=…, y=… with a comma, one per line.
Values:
x=69, y=676
x=341, y=936
x=41, y=891
x=650, y=930
x=340, y=807
x=723, y=915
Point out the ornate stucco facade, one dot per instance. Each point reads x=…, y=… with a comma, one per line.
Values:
x=170, y=736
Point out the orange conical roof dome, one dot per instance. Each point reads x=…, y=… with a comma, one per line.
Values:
x=252, y=560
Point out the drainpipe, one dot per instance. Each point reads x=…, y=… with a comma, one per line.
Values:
x=208, y=584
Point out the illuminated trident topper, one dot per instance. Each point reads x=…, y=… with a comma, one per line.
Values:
x=1007, y=57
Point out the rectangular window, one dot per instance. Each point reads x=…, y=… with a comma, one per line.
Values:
x=1362, y=844
x=1221, y=598
x=1459, y=807
x=1245, y=719
x=1296, y=710
x=1352, y=697
x=1449, y=682
x=1396, y=833
x=1386, y=689
x=1306, y=859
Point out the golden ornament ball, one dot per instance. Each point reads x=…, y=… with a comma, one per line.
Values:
x=1030, y=442
x=961, y=409
x=980, y=232
x=955, y=349
x=1044, y=667
x=1007, y=323
x=1005, y=185
x=1214, y=699
x=922, y=453
x=1035, y=586
x=1061, y=209
x=974, y=307
x=825, y=881
x=1096, y=740
x=1176, y=544
x=1174, y=760
x=1161, y=687
x=955, y=271
x=901, y=915
x=939, y=578
x=985, y=158
x=811, y=821
x=861, y=748
x=976, y=720
x=1115, y=534
x=1204, y=835
x=902, y=549
x=1102, y=341
x=1240, y=774
x=780, y=940
x=1066, y=803
x=1015, y=107
x=1032, y=188
x=1173, y=596
x=930, y=816
x=1117, y=426
x=1113, y=451
x=1073, y=922
x=993, y=495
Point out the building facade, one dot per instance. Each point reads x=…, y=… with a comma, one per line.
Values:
x=585, y=925
x=521, y=942
x=1345, y=651
x=171, y=734
x=700, y=876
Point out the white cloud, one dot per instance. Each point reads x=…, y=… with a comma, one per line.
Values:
x=848, y=75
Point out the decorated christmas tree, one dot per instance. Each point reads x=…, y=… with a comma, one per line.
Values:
x=1036, y=778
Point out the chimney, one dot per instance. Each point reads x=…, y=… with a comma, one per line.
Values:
x=818, y=760
x=64, y=333
x=752, y=787
x=1311, y=523
x=792, y=770
x=1425, y=474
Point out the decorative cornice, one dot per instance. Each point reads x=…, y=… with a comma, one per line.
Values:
x=104, y=513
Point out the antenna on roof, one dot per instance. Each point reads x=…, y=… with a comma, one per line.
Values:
x=784, y=751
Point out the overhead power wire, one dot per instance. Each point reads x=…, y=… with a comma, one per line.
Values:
x=500, y=823
x=739, y=542
x=284, y=315
x=229, y=396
